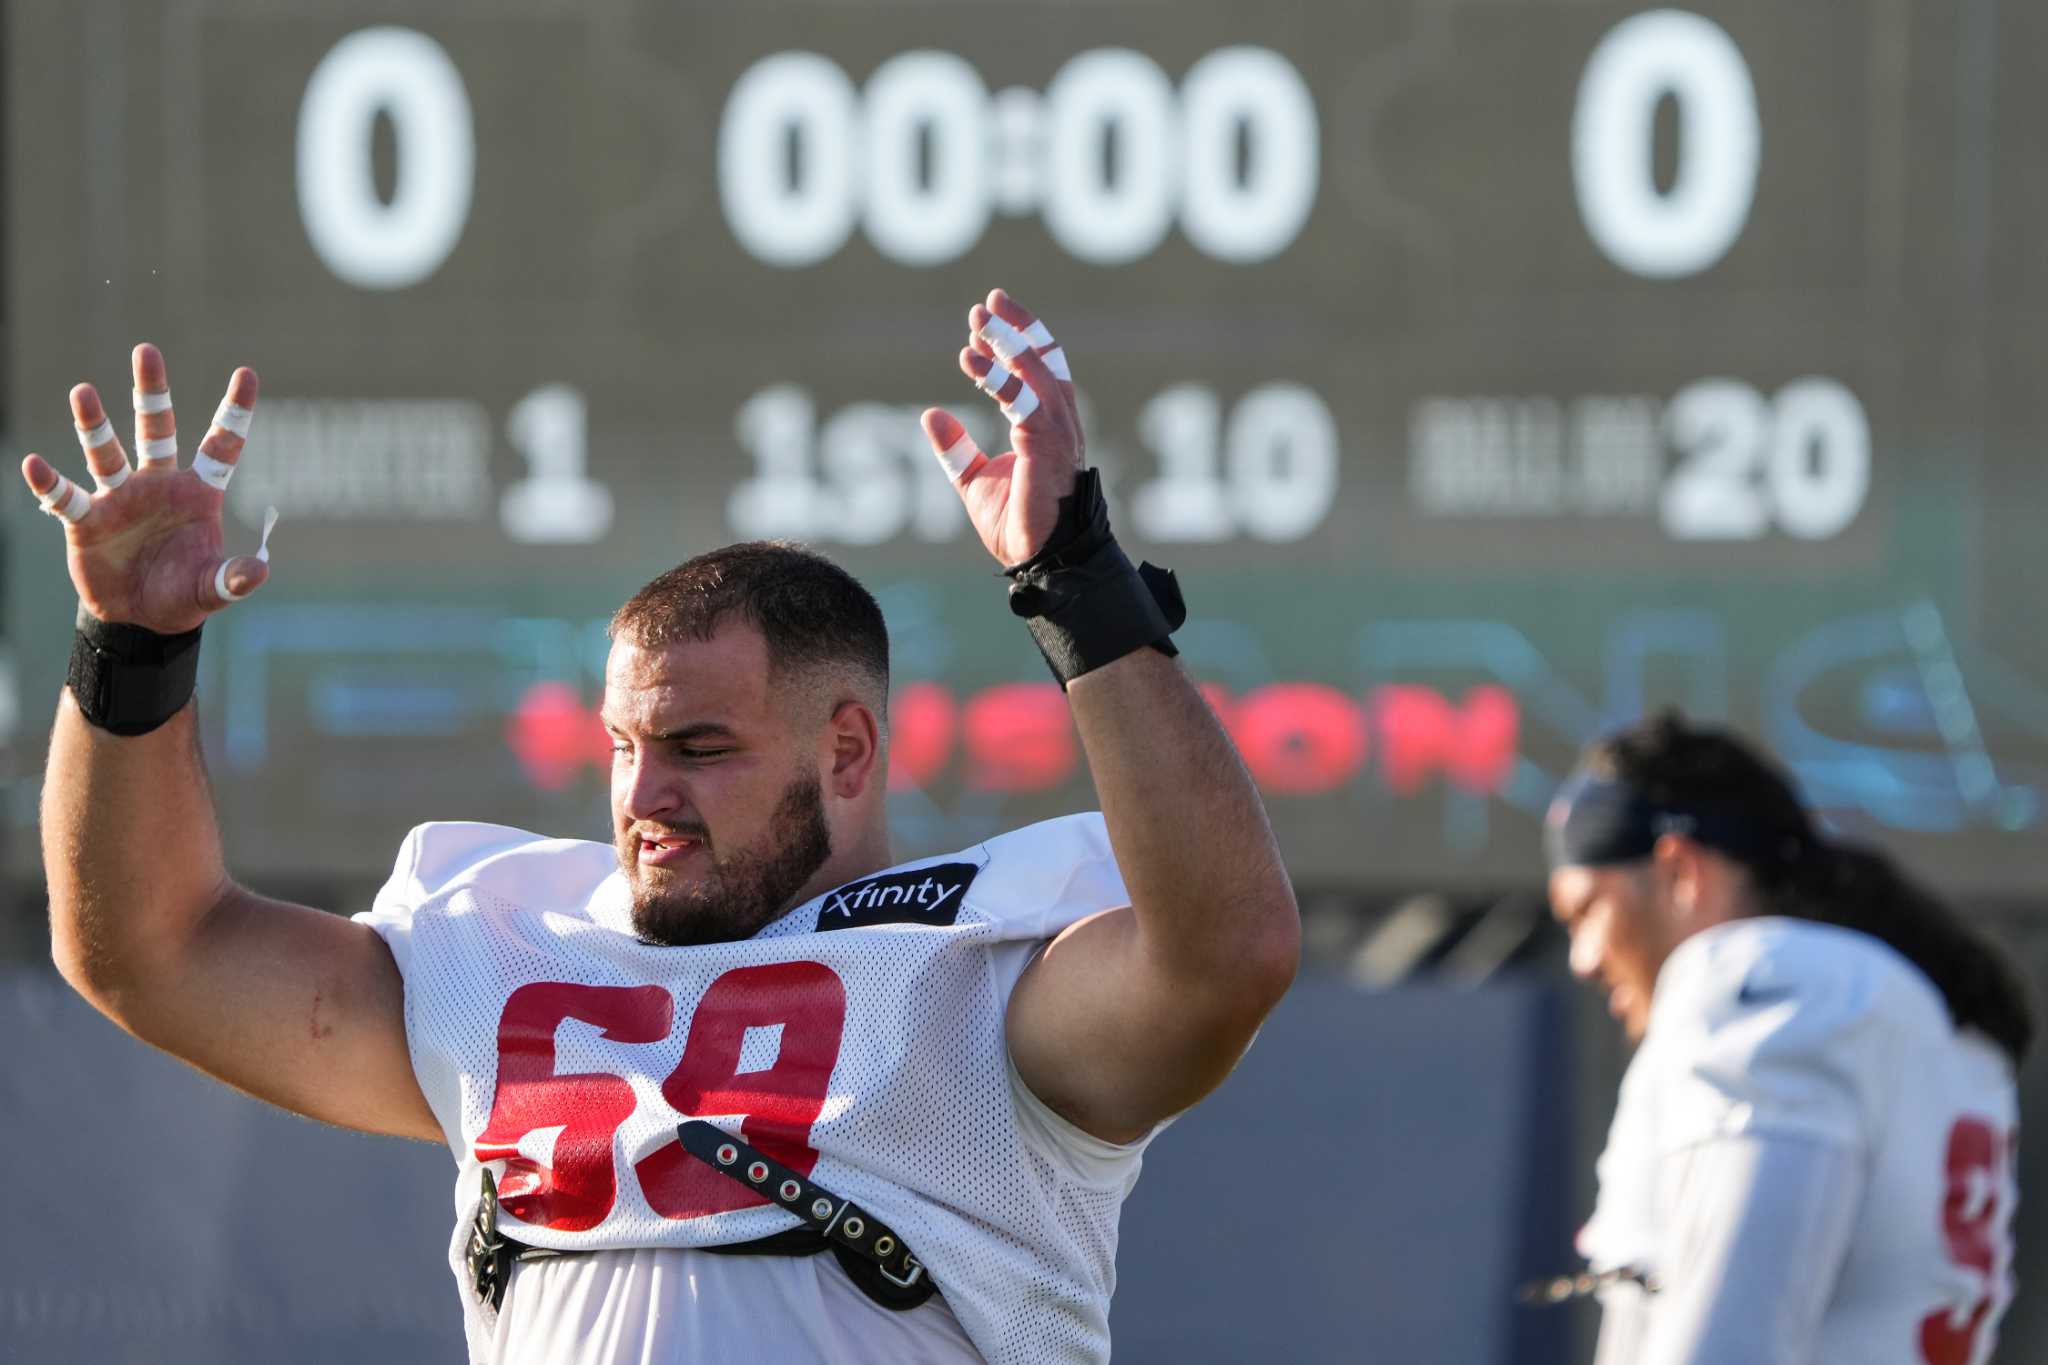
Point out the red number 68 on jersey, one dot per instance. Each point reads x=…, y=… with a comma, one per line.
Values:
x=576, y=1190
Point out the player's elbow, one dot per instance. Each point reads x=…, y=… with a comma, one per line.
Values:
x=119, y=971
x=95, y=975
x=72, y=962
x=1233, y=964
x=1277, y=955
x=82, y=957
x=1262, y=962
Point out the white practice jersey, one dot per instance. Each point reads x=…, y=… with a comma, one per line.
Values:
x=1823, y=1041
x=860, y=1039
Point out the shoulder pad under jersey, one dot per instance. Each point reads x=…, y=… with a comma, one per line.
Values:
x=1043, y=877
x=514, y=864
x=1781, y=1025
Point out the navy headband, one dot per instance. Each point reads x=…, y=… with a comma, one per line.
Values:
x=1600, y=822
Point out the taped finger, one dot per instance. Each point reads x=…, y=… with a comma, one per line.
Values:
x=103, y=455
x=1022, y=406
x=1055, y=357
x=156, y=427
x=212, y=471
x=995, y=381
x=955, y=450
x=1006, y=341
x=232, y=416
x=66, y=501
x=1014, y=315
x=220, y=584
x=262, y=556
x=959, y=457
x=221, y=451
x=1019, y=350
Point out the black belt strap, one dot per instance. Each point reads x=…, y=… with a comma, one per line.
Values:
x=872, y=1255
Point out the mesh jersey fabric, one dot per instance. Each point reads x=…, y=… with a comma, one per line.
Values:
x=685, y=1304
x=660, y=1304
x=559, y=1050
x=1775, y=1028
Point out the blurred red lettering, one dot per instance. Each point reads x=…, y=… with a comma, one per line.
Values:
x=1020, y=738
x=554, y=735
x=924, y=721
x=1422, y=733
x=1300, y=738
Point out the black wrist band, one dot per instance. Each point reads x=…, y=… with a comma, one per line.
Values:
x=129, y=680
x=1084, y=602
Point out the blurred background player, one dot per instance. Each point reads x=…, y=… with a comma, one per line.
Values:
x=947, y=1074
x=1812, y=1156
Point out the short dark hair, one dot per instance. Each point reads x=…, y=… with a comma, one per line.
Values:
x=1855, y=887
x=813, y=614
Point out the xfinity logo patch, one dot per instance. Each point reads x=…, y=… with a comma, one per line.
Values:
x=923, y=895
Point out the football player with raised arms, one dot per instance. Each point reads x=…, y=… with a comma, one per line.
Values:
x=741, y=1026
x=1811, y=1160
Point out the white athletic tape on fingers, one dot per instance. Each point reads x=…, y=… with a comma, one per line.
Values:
x=91, y=440
x=1022, y=406
x=995, y=381
x=66, y=501
x=1038, y=334
x=152, y=402
x=1006, y=341
x=156, y=451
x=1056, y=361
x=232, y=417
x=956, y=457
x=220, y=575
x=212, y=470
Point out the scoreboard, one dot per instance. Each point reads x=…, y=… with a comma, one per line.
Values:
x=1490, y=370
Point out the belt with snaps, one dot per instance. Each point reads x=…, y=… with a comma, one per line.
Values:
x=872, y=1255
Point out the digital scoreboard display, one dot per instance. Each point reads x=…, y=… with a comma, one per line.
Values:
x=1490, y=373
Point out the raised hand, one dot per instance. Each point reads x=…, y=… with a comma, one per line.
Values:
x=1013, y=498
x=145, y=548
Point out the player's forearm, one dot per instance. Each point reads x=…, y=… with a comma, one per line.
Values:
x=1190, y=833
x=131, y=850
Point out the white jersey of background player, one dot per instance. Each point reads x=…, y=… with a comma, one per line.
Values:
x=1812, y=1155
x=974, y=1048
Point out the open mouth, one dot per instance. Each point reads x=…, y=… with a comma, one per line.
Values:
x=660, y=850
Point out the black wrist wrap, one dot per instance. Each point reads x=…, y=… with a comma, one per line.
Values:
x=1086, y=606
x=127, y=679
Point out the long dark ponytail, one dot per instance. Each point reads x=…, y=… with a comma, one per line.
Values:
x=1828, y=881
